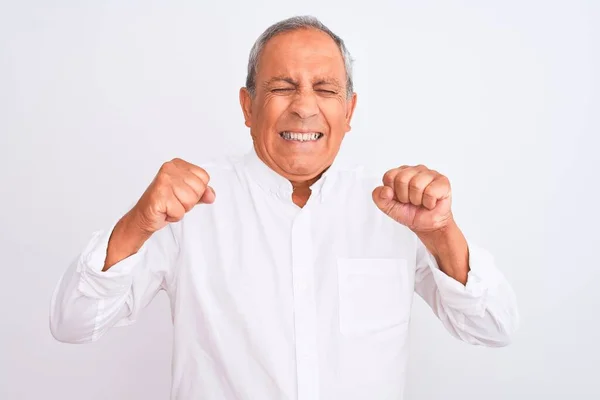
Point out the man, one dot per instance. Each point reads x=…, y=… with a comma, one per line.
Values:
x=294, y=279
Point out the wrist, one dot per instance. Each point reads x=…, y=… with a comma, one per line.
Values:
x=440, y=235
x=450, y=249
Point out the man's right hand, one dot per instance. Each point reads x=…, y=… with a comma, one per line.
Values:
x=176, y=189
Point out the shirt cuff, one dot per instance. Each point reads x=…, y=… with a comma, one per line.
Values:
x=117, y=280
x=483, y=280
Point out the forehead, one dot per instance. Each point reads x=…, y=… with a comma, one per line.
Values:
x=301, y=52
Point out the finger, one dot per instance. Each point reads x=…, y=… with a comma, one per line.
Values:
x=429, y=202
x=417, y=185
x=174, y=209
x=385, y=193
x=194, y=169
x=199, y=172
x=438, y=189
x=186, y=195
x=198, y=185
x=383, y=196
x=401, y=184
x=389, y=176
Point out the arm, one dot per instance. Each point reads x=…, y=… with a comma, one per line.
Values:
x=458, y=280
x=465, y=290
x=105, y=286
x=121, y=270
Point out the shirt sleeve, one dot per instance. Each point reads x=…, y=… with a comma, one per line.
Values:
x=87, y=302
x=482, y=312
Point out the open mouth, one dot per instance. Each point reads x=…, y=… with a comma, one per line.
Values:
x=301, y=137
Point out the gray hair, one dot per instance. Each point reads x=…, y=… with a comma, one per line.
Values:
x=292, y=24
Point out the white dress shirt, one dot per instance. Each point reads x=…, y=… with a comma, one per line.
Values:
x=271, y=301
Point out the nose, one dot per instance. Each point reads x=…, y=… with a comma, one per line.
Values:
x=304, y=105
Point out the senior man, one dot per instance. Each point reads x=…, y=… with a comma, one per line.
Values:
x=295, y=278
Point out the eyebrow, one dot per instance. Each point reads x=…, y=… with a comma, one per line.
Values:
x=327, y=81
x=286, y=79
x=318, y=81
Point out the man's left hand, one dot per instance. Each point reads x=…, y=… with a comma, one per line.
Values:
x=417, y=197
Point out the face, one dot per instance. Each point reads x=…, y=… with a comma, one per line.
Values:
x=300, y=111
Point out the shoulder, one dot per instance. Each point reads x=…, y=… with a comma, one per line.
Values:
x=221, y=164
x=357, y=177
x=223, y=169
x=353, y=192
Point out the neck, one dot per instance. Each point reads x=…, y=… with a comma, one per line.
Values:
x=304, y=186
x=302, y=190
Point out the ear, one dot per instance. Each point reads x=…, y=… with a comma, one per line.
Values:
x=350, y=106
x=246, y=103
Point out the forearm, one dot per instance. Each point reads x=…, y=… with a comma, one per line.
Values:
x=126, y=239
x=449, y=247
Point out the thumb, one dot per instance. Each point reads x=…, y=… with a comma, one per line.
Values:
x=383, y=197
x=208, y=197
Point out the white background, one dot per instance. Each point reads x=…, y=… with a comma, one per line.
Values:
x=502, y=97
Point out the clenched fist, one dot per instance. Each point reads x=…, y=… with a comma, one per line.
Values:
x=415, y=196
x=176, y=189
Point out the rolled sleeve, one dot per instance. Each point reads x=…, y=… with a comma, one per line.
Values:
x=483, y=280
x=96, y=283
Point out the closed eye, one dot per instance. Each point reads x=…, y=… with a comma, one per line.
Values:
x=326, y=91
x=281, y=90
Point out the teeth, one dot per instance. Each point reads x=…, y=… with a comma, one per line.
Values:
x=302, y=137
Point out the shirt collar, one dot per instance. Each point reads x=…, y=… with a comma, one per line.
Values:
x=277, y=185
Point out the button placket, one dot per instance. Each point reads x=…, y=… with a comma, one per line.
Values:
x=305, y=318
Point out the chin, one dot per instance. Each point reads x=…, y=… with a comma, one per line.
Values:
x=299, y=167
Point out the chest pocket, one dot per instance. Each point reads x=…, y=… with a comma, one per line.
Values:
x=374, y=294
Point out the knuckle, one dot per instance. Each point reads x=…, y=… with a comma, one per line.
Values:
x=162, y=186
x=167, y=168
x=403, y=178
x=162, y=179
x=204, y=174
x=416, y=187
x=196, y=183
x=387, y=177
x=418, y=184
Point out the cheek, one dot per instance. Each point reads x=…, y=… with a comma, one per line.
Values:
x=271, y=109
x=334, y=112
